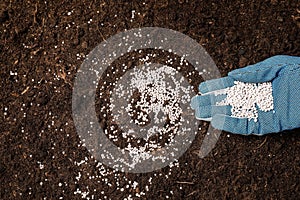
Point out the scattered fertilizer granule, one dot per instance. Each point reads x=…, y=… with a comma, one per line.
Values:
x=148, y=104
x=246, y=98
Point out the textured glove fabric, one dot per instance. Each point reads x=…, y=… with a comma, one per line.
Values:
x=284, y=74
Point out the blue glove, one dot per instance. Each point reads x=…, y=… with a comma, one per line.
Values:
x=283, y=72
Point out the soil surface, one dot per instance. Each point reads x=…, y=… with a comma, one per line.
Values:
x=43, y=44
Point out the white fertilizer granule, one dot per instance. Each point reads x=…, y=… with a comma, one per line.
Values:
x=246, y=98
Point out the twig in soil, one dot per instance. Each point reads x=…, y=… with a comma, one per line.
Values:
x=24, y=91
x=34, y=14
x=101, y=34
x=192, y=193
x=184, y=182
x=262, y=143
x=198, y=153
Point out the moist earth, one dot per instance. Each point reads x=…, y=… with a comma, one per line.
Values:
x=43, y=44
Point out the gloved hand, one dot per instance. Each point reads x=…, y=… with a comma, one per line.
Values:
x=283, y=72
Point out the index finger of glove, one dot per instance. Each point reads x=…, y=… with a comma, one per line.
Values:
x=215, y=84
x=206, y=100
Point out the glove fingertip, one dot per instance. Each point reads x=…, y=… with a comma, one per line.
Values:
x=203, y=88
x=194, y=102
x=215, y=84
x=230, y=124
x=218, y=121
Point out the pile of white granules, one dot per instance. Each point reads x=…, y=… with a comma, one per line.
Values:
x=244, y=98
x=161, y=93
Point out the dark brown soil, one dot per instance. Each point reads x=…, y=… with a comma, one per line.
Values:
x=45, y=46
